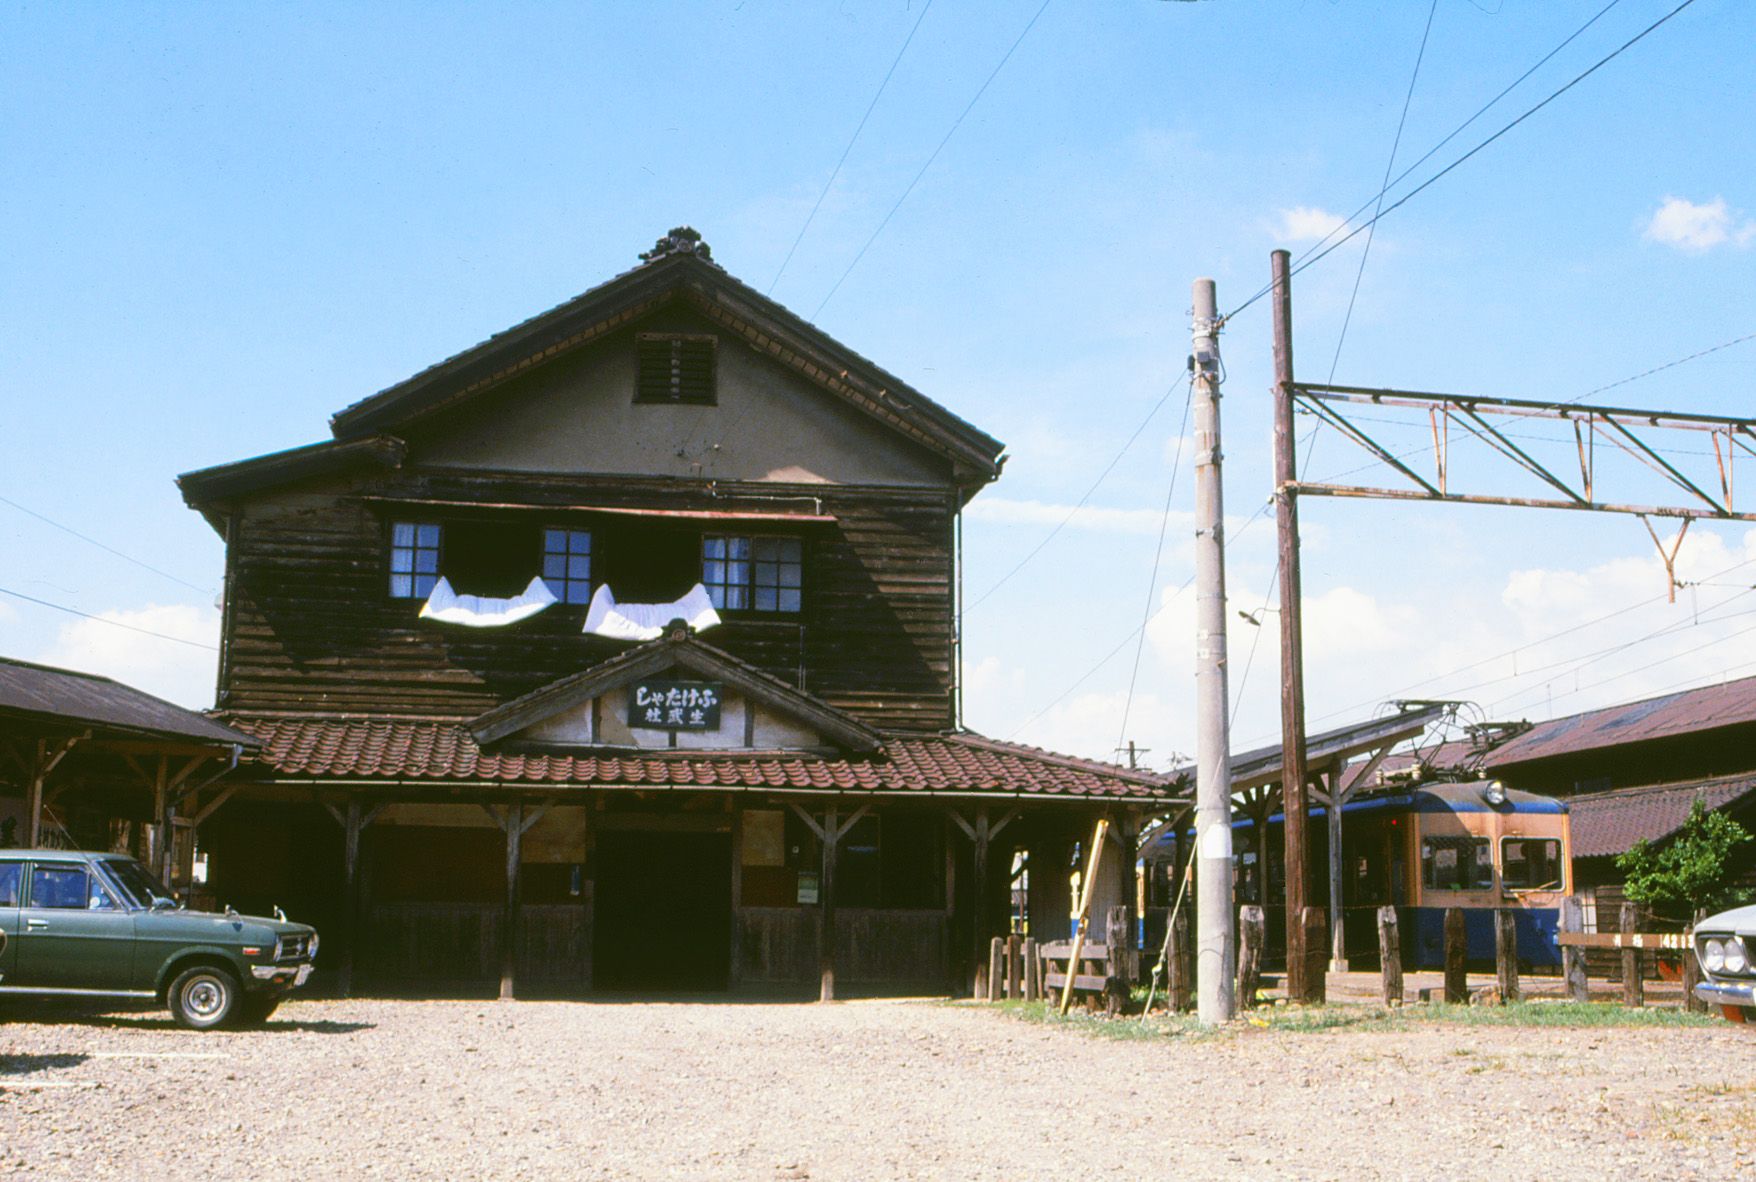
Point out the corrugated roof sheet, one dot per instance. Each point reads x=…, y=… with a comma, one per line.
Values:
x=413, y=750
x=1687, y=712
x=1606, y=823
x=45, y=693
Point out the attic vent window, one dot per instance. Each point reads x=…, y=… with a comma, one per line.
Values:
x=675, y=368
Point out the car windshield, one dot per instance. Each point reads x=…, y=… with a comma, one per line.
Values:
x=137, y=884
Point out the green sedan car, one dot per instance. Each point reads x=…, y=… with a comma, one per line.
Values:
x=99, y=925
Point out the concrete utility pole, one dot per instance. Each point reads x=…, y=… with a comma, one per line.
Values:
x=1215, y=944
x=1292, y=660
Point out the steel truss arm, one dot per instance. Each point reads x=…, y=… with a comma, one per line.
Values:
x=1622, y=425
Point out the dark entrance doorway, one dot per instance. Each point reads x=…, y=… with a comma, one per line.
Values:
x=663, y=904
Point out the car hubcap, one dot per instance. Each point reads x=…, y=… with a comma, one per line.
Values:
x=205, y=999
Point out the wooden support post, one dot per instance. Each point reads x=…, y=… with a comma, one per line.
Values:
x=1456, y=958
x=509, y=922
x=1033, y=970
x=1506, y=954
x=1181, y=984
x=1251, y=930
x=826, y=908
x=165, y=812
x=350, y=873
x=1119, y=941
x=1332, y=825
x=979, y=887
x=1316, y=956
x=1572, y=956
x=996, y=982
x=1014, y=969
x=1390, y=956
x=1292, y=662
x=1633, y=984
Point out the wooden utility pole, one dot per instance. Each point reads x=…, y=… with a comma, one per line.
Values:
x=1216, y=946
x=1292, y=662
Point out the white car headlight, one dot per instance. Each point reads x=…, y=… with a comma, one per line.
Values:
x=1737, y=960
x=1713, y=956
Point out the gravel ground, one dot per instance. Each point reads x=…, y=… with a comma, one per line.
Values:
x=863, y=1090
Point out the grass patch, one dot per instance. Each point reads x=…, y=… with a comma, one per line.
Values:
x=1318, y=1019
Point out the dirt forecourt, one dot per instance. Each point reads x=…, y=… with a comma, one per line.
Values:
x=860, y=1090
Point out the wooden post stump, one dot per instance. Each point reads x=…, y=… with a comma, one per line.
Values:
x=1181, y=986
x=1573, y=957
x=1119, y=970
x=1633, y=984
x=1014, y=969
x=1316, y=956
x=1390, y=956
x=1250, y=937
x=996, y=969
x=1506, y=954
x=1456, y=957
x=1033, y=971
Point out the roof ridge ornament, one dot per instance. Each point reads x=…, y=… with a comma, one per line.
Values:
x=681, y=240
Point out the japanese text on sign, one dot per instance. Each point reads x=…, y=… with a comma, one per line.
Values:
x=674, y=705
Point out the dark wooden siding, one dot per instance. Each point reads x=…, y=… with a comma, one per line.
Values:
x=312, y=627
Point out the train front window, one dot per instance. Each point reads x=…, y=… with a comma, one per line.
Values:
x=1457, y=864
x=1530, y=863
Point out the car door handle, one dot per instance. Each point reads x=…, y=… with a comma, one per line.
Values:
x=36, y=925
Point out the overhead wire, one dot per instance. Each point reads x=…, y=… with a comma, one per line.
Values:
x=1080, y=504
x=67, y=529
x=1157, y=556
x=1319, y=256
x=102, y=620
x=956, y=123
x=1456, y=131
x=852, y=140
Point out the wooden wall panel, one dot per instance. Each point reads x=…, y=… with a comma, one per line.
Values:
x=313, y=628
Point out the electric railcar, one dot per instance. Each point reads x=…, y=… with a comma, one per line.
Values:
x=1476, y=846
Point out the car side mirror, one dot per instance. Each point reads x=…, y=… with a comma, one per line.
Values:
x=160, y=903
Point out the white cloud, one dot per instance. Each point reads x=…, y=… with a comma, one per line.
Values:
x=1698, y=228
x=179, y=672
x=1306, y=223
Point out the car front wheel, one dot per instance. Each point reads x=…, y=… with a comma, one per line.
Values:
x=203, y=997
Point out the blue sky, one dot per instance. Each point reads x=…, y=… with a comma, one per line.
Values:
x=229, y=222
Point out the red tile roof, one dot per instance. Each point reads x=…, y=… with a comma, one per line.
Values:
x=1606, y=823
x=356, y=749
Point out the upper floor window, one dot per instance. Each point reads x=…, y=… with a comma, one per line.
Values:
x=752, y=573
x=414, y=559
x=675, y=368
x=567, y=564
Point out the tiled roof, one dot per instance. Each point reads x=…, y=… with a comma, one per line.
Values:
x=1687, y=712
x=355, y=749
x=1606, y=823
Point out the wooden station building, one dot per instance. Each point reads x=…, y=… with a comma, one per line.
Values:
x=462, y=785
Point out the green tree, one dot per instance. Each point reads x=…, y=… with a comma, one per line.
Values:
x=1690, y=872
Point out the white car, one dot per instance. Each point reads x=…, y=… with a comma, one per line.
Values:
x=1725, y=944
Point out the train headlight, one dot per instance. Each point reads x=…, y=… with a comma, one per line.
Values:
x=1713, y=956
x=1494, y=793
x=1737, y=960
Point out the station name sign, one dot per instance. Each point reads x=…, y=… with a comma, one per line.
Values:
x=667, y=704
